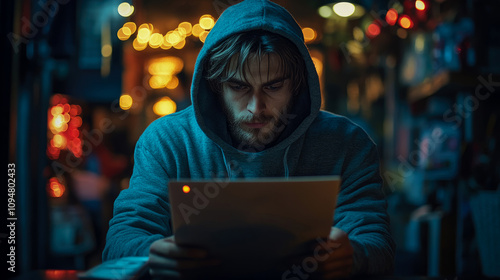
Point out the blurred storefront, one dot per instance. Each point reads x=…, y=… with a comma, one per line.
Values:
x=85, y=78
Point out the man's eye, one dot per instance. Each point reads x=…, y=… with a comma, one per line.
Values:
x=274, y=87
x=238, y=87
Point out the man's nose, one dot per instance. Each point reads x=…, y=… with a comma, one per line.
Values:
x=256, y=105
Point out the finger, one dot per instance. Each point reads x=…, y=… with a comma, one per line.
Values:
x=337, y=234
x=327, y=245
x=344, y=250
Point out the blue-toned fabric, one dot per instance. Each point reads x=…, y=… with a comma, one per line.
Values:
x=194, y=143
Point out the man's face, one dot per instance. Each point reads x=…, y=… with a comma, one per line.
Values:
x=255, y=106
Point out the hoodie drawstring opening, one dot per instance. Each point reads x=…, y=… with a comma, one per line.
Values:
x=285, y=162
x=228, y=167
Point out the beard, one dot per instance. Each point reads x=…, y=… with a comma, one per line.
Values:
x=255, y=139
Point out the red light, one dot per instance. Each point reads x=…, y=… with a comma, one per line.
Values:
x=391, y=17
x=406, y=22
x=373, y=30
x=420, y=5
x=64, y=122
x=55, y=188
x=186, y=189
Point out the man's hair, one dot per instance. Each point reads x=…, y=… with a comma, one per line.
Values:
x=244, y=46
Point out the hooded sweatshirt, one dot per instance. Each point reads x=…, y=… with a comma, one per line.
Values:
x=194, y=143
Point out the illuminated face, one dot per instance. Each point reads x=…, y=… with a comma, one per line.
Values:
x=256, y=106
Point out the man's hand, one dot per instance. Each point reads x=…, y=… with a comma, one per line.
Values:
x=168, y=260
x=326, y=259
x=340, y=261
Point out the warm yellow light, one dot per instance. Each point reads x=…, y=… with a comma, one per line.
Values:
x=126, y=31
x=419, y=43
x=155, y=40
x=126, y=101
x=187, y=27
x=59, y=141
x=125, y=9
x=159, y=81
x=420, y=5
x=180, y=45
x=106, y=50
x=325, y=11
x=143, y=35
x=121, y=34
x=173, y=83
x=148, y=26
x=309, y=34
x=354, y=47
x=138, y=46
x=173, y=37
x=56, y=110
x=186, y=189
x=131, y=26
x=197, y=29
x=165, y=66
x=165, y=45
x=207, y=21
x=318, y=64
x=203, y=36
x=358, y=34
x=405, y=22
x=55, y=188
x=344, y=9
x=402, y=33
x=58, y=122
x=164, y=106
x=181, y=32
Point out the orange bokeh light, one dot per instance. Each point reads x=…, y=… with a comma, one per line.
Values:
x=64, y=124
x=186, y=189
x=55, y=188
x=406, y=22
x=373, y=30
x=391, y=17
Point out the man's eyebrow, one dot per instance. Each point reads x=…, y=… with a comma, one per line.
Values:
x=236, y=81
x=275, y=80
x=268, y=83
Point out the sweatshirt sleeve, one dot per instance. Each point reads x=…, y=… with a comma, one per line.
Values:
x=362, y=208
x=141, y=213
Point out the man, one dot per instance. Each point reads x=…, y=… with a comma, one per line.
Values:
x=255, y=113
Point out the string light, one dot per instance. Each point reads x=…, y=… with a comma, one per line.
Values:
x=64, y=123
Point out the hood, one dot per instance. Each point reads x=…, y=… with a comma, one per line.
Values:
x=245, y=16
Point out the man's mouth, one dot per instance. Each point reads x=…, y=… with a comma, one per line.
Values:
x=255, y=124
